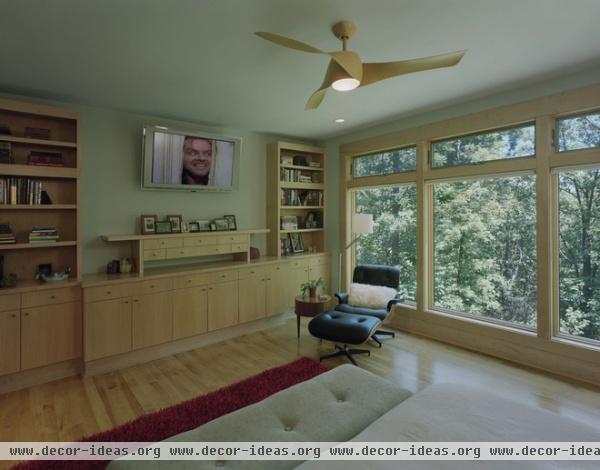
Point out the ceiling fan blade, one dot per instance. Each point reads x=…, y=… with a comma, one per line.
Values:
x=350, y=62
x=376, y=72
x=289, y=43
x=315, y=99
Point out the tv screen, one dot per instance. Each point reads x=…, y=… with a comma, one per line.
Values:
x=191, y=161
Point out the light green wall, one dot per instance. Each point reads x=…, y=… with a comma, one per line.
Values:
x=459, y=109
x=112, y=199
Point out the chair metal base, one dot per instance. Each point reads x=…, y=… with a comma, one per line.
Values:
x=345, y=351
x=377, y=333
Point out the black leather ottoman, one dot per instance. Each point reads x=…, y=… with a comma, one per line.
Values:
x=344, y=328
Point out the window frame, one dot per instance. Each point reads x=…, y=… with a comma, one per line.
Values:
x=556, y=133
x=379, y=152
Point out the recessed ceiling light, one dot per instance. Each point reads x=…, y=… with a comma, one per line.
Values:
x=340, y=120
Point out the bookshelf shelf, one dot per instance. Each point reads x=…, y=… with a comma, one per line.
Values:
x=280, y=156
x=38, y=207
x=9, y=169
x=28, y=141
x=31, y=246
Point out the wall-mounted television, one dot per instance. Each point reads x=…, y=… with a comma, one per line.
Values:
x=189, y=161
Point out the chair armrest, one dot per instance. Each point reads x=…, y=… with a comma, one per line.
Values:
x=391, y=303
x=342, y=297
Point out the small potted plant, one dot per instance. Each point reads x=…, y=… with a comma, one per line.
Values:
x=311, y=287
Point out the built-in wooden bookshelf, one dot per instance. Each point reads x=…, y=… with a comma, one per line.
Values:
x=296, y=188
x=61, y=183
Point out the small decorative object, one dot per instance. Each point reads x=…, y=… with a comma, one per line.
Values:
x=45, y=199
x=57, y=277
x=112, y=267
x=254, y=252
x=213, y=227
x=175, y=223
x=296, y=240
x=314, y=164
x=184, y=227
x=37, y=133
x=286, y=247
x=125, y=265
x=231, y=221
x=289, y=222
x=148, y=224
x=221, y=225
x=310, y=221
x=311, y=287
x=43, y=270
x=204, y=225
x=9, y=281
x=163, y=226
x=194, y=226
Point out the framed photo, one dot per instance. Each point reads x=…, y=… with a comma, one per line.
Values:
x=221, y=225
x=231, y=221
x=203, y=225
x=296, y=240
x=148, y=224
x=194, y=226
x=175, y=223
x=163, y=226
x=213, y=227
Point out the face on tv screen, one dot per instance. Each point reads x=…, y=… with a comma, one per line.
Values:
x=192, y=160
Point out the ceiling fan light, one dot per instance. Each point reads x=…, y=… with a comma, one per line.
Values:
x=345, y=84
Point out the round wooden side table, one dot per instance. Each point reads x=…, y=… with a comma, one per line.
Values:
x=309, y=307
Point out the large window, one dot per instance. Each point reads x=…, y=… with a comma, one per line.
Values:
x=495, y=145
x=578, y=132
x=394, y=238
x=485, y=248
x=579, y=228
x=385, y=163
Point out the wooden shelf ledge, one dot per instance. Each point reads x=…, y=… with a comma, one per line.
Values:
x=27, y=140
x=32, y=246
x=39, y=171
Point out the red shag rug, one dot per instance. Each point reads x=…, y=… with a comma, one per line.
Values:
x=190, y=414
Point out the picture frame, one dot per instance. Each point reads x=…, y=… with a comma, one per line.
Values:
x=175, y=220
x=148, y=224
x=193, y=226
x=213, y=227
x=163, y=226
x=296, y=241
x=203, y=225
x=231, y=221
x=221, y=225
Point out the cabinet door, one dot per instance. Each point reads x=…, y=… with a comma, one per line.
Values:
x=323, y=272
x=152, y=319
x=279, y=298
x=253, y=299
x=107, y=327
x=190, y=312
x=297, y=277
x=50, y=334
x=222, y=305
x=10, y=342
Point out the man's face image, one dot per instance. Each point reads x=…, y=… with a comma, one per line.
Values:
x=197, y=156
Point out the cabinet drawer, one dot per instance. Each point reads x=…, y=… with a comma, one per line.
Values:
x=10, y=302
x=299, y=263
x=158, y=285
x=95, y=294
x=199, y=241
x=247, y=273
x=319, y=261
x=214, y=250
x=224, y=239
x=192, y=280
x=51, y=296
x=223, y=276
x=178, y=253
x=158, y=243
x=239, y=247
x=150, y=255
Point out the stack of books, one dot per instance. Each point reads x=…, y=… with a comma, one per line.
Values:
x=5, y=153
x=45, y=158
x=20, y=190
x=43, y=235
x=6, y=234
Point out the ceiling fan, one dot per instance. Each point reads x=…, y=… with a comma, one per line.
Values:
x=346, y=71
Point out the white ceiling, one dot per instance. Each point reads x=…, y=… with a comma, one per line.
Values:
x=197, y=60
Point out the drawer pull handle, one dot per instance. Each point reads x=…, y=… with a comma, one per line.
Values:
x=189, y=281
x=26, y=314
x=152, y=286
x=14, y=315
x=108, y=292
x=126, y=302
x=53, y=297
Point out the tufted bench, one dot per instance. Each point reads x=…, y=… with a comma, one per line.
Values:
x=331, y=407
x=344, y=328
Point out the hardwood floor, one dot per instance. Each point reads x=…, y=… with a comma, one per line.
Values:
x=71, y=408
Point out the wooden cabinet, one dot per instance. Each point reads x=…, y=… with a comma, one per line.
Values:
x=152, y=319
x=324, y=272
x=223, y=305
x=50, y=334
x=10, y=341
x=253, y=298
x=279, y=299
x=107, y=328
x=298, y=276
x=190, y=311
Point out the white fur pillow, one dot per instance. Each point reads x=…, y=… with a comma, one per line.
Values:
x=365, y=295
